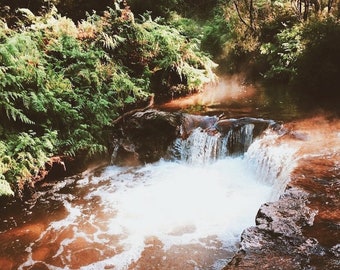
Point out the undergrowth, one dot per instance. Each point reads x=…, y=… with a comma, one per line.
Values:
x=62, y=84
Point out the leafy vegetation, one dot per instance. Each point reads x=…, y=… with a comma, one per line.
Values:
x=289, y=42
x=62, y=84
x=318, y=64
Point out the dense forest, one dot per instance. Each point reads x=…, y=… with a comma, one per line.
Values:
x=69, y=68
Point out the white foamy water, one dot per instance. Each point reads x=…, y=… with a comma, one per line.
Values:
x=272, y=162
x=167, y=215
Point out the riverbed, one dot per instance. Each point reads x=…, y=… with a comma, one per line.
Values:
x=176, y=213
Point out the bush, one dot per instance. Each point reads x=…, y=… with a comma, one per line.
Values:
x=62, y=84
x=166, y=8
x=318, y=65
x=283, y=53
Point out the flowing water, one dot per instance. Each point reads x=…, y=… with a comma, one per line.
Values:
x=186, y=212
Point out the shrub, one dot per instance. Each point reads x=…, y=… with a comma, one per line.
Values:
x=62, y=84
x=318, y=66
x=283, y=54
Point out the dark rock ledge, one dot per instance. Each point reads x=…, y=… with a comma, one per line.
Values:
x=145, y=136
x=302, y=229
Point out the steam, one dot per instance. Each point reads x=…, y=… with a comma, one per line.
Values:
x=223, y=91
x=314, y=136
x=227, y=89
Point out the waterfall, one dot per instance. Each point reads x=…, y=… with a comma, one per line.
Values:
x=200, y=147
x=270, y=161
x=204, y=146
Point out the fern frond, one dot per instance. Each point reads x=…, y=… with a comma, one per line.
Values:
x=111, y=42
x=14, y=114
x=27, y=13
x=97, y=149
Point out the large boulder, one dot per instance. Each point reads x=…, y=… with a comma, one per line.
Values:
x=146, y=135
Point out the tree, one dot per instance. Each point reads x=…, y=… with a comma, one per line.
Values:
x=246, y=9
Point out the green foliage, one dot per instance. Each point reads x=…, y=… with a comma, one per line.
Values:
x=283, y=54
x=318, y=65
x=19, y=58
x=22, y=156
x=5, y=166
x=5, y=188
x=277, y=40
x=233, y=40
x=160, y=8
x=166, y=8
x=216, y=32
x=156, y=52
x=61, y=85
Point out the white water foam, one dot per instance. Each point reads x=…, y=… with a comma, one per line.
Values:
x=178, y=203
x=272, y=162
x=202, y=147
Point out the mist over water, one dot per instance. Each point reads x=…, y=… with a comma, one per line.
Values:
x=225, y=91
x=234, y=97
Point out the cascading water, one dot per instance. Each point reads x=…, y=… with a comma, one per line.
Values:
x=203, y=146
x=184, y=213
x=271, y=162
x=200, y=147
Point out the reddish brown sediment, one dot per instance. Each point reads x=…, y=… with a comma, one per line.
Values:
x=302, y=229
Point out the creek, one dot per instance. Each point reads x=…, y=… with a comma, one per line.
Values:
x=185, y=211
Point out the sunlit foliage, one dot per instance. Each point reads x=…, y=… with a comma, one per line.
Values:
x=62, y=83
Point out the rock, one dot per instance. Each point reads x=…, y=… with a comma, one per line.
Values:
x=286, y=216
x=302, y=229
x=224, y=125
x=189, y=122
x=144, y=137
x=242, y=132
x=277, y=241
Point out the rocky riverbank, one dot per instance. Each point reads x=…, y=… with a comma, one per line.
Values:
x=302, y=229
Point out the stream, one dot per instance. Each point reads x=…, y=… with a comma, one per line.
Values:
x=183, y=213
x=186, y=211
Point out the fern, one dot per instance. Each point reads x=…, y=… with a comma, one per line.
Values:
x=96, y=149
x=5, y=188
x=27, y=13
x=68, y=82
x=111, y=42
x=14, y=113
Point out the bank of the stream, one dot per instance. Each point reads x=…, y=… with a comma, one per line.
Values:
x=301, y=229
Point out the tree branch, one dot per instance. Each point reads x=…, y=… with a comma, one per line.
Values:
x=240, y=17
x=129, y=113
